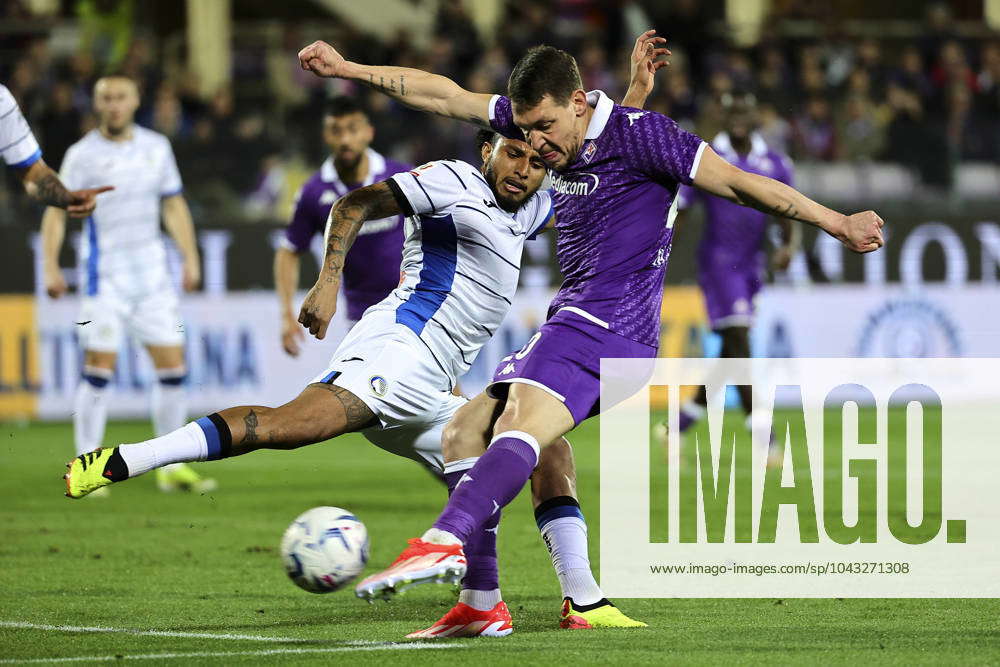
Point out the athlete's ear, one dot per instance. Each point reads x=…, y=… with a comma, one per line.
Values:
x=578, y=100
x=485, y=150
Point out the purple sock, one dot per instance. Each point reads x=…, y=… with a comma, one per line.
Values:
x=489, y=485
x=481, y=573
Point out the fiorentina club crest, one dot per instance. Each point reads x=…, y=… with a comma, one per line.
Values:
x=589, y=151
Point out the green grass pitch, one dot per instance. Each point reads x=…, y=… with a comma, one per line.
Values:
x=145, y=561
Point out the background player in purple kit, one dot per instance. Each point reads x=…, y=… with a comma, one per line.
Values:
x=617, y=173
x=731, y=259
x=371, y=270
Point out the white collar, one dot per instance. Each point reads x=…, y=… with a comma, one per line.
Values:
x=376, y=165
x=724, y=145
x=603, y=106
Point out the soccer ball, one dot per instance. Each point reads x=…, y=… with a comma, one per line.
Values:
x=324, y=549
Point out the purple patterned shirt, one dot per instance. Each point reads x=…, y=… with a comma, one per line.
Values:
x=733, y=234
x=371, y=269
x=615, y=207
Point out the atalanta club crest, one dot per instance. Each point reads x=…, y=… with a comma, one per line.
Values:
x=379, y=385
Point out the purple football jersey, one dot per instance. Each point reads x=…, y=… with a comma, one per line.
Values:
x=371, y=269
x=731, y=258
x=615, y=207
x=733, y=234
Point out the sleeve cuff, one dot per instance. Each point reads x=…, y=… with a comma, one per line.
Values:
x=397, y=193
x=287, y=244
x=493, y=107
x=28, y=161
x=545, y=221
x=697, y=161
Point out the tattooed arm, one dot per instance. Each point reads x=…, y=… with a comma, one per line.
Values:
x=345, y=220
x=43, y=185
x=414, y=88
x=861, y=232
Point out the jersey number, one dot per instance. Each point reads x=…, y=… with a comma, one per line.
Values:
x=523, y=352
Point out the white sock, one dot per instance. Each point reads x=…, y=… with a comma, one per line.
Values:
x=481, y=600
x=90, y=412
x=184, y=444
x=566, y=539
x=169, y=407
x=760, y=427
x=437, y=536
x=693, y=409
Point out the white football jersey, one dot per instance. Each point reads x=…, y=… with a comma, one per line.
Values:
x=17, y=144
x=122, y=245
x=461, y=259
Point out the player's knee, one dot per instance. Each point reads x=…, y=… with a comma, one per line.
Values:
x=171, y=377
x=311, y=418
x=460, y=441
x=509, y=420
x=96, y=376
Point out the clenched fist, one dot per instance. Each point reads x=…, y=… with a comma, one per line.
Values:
x=322, y=60
x=862, y=232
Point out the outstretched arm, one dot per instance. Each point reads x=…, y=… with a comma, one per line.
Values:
x=414, y=88
x=346, y=217
x=861, y=232
x=44, y=186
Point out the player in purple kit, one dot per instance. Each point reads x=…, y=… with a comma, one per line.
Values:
x=617, y=171
x=731, y=260
x=371, y=270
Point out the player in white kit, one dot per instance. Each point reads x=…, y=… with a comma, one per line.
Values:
x=20, y=151
x=392, y=376
x=126, y=286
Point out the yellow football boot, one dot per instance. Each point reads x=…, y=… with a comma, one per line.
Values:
x=88, y=472
x=602, y=614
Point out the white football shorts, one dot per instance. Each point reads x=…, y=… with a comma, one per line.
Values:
x=152, y=320
x=391, y=371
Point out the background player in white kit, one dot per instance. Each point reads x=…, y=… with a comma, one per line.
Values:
x=20, y=151
x=126, y=283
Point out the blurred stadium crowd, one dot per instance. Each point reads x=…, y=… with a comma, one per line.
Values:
x=927, y=99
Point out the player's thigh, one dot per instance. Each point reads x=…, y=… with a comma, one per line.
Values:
x=100, y=330
x=534, y=411
x=417, y=442
x=156, y=322
x=166, y=356
x=99, y=360
x=320, y=412
x=470, y=429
